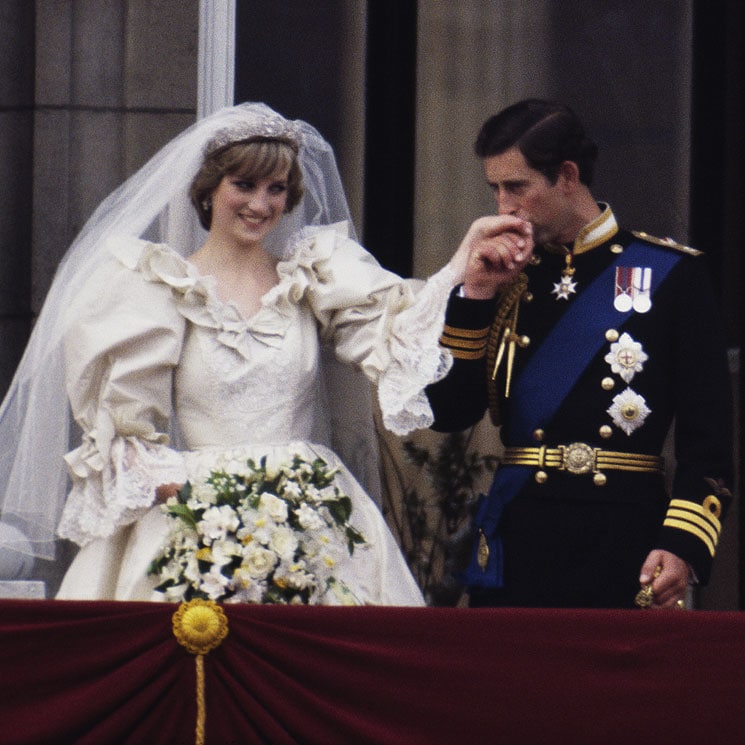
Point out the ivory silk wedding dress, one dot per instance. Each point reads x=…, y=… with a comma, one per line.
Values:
x=156, y=340
x=164, y=381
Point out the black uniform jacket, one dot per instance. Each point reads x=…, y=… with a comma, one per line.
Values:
x=579, y=540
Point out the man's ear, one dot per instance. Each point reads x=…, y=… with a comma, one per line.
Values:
x=568, y=175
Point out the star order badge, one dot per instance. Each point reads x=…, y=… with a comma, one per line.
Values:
x=629, y=410
x=626, y=357
x=565, y=287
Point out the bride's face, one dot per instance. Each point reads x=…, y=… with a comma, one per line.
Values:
x=247, y=210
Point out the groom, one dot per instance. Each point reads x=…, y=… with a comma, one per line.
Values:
x=585, y=341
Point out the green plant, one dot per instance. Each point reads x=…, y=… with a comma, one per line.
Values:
x=437, y=511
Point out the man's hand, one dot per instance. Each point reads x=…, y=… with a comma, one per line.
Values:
x=672, y=582
x=494, y=251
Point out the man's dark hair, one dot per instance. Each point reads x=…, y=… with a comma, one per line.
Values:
x=545, y=132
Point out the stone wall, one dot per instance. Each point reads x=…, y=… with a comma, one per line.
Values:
x=89, y=90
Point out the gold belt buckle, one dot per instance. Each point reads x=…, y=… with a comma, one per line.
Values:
x=577, y=458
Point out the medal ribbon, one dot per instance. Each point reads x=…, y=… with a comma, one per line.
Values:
x=572, y=344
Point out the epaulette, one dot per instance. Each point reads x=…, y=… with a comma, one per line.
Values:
x=667, y=243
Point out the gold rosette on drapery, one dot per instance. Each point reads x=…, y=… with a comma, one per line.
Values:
x=200, y=626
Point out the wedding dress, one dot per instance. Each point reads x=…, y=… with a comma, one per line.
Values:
x=136, y=375
x=152, y=343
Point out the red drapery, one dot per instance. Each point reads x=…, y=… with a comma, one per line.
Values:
x=109, y=672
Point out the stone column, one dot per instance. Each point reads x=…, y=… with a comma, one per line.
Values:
x=16, y=155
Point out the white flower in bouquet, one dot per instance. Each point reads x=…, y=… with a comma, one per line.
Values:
x=258, y=562
x=224, y=551
x=260, y=529
x=204, y=493
x=274, y=507
x=308, y=518
x=284, y=543
x=213, y=583
x=255, y=534
x=298, y=576
x=293, y=490
x=218, y=522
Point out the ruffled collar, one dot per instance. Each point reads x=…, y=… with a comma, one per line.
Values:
x=196, y=295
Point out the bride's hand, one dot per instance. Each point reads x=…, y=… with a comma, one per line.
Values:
x=165, y=491
x=494, y=250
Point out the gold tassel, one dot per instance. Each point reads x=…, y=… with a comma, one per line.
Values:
x=645, y=597
x=502, y=338
x=508, y=341
x=201, y=704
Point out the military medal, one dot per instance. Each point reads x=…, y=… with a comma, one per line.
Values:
x=623, y=302
x=633, y=289
x=566, y=286
x=642, y=282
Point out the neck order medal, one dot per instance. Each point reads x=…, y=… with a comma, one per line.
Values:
x=566, y=286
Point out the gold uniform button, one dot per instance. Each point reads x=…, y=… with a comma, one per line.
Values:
x=616, y=248
x=713, y=506
x=523, y=342
x=608, y=384
x=528, y=297
x=541, y=477
x=606, y=431
x=538, y=435
x=611, y=335
x=600, y=479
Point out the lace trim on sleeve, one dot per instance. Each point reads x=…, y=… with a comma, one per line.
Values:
x=417, y=358
x=108, y=496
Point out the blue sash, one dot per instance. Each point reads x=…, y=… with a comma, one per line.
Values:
x=572, y=344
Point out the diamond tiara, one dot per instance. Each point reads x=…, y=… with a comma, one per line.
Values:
x=270, y=126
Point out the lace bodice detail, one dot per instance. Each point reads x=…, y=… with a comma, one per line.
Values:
x=252, y=391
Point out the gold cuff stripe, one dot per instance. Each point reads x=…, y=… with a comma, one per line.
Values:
x=682, y=525
x=465, y=344
x=466, y=333
x=710, y=530
x=461, y=354
x=709, y=516
x=448, y=341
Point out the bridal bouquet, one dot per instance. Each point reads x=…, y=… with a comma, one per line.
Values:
x=259, y=535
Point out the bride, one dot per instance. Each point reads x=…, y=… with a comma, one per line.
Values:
x=176, y=360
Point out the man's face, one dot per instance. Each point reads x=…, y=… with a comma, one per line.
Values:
x=526, y=193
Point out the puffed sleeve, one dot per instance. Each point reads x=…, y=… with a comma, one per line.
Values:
x=123, y=339
x=389, y=327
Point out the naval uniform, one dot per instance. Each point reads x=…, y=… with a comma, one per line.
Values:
x=598, y=347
